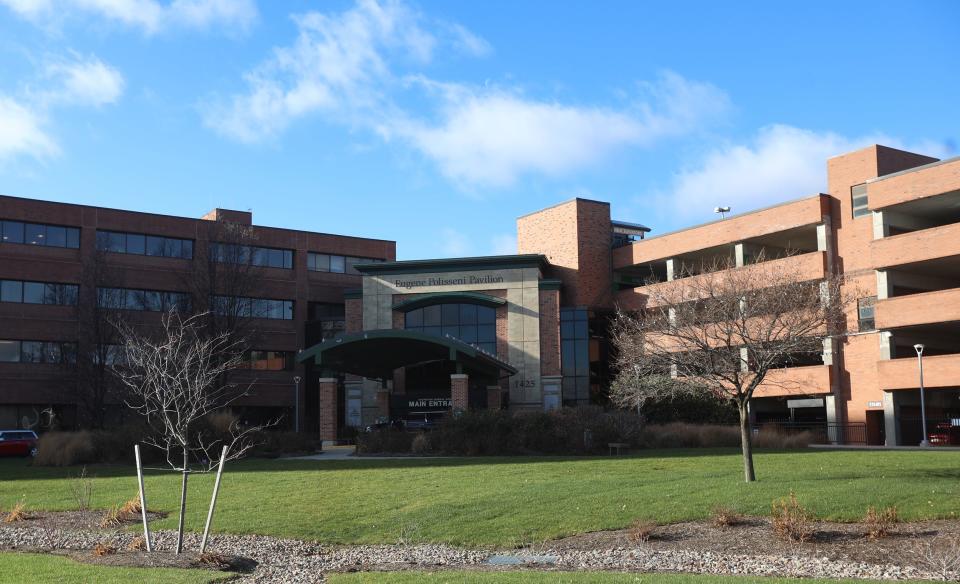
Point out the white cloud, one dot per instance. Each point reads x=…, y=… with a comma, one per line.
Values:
x=780, y=163
x=21, y=132
x=337, y=65
x=150, y=16
x=352, y=68
x=493, y=137
x=84, y=82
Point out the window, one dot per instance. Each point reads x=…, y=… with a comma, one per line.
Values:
x=139, y=244
x=253, y=307
x=470, y=323
x=50, y=352
x=39, y=234
x=269, y=360
x=11, y=291
x=865, y=311
x=267, y=257
x=575, y=353
x=323, y=262
x=858, y=196
x=142, y=300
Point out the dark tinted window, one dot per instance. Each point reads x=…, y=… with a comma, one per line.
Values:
x=56, y=236
x=470, y=323
x=12, y=232
x=34, y=233
x=136, y=243
x=9, y=351
x=33, y=292
x=11, y=291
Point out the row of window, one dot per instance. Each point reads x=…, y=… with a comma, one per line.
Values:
x=142, y=300
x=259, y=360
x=38, y=292
x=37, y=352
x=39, y=234
x=139, y=244
x=338, y=264
x=253, y=307
x=470, y=323
x=267, y=257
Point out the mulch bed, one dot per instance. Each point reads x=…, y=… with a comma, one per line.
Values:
x=87, y=520
x=755, y=536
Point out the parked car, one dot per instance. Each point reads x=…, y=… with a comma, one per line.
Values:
x=382, y=423
x=18, y=443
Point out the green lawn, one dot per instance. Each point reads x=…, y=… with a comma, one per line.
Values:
x=527, y=577
x=17, y=568
x=508, y=501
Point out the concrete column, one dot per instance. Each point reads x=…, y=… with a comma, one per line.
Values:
x=884, y=285
x=880, y=227
x=833, y=420
x=744, y=359
x=494, y=397
x=886, y=344
x=459, y=391
x=891, y=418
x=328, y=409
x=670, y=270
x=744, y=253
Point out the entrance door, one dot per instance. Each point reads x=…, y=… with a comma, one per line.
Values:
x=876, y=433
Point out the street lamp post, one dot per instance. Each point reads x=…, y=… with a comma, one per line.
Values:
x=923, y=402
x=296, y=403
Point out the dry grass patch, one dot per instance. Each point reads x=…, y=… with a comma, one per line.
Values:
x=112, y=517
x=18, y=513
x=641, y=530
x=137, y=544
x=723, y=517
x=104, y=549
x=131, y=507
x=791, y=522
x=880, y=523
x=214, y=559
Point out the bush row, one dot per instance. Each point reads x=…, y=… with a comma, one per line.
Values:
x=582, y=430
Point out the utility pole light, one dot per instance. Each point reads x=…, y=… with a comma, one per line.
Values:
x=722, y=210
x=923, y=405
x=296, y=403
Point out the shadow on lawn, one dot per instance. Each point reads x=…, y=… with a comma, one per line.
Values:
x=13, y=469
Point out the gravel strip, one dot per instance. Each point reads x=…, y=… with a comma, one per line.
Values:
x=295, y=561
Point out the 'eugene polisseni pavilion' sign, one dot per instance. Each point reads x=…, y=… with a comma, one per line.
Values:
x=441, y=281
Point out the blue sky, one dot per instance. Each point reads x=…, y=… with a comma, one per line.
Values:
x=437, y=123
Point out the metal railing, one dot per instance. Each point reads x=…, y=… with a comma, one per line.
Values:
x=822, y=432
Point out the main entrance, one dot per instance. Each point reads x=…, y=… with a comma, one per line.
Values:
x=442, y=373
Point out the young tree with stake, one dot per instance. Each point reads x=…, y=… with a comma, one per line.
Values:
x=174, y=379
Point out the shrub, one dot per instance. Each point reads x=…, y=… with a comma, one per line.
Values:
x=724, y=517
x=421, y=444
x=82, y=489
x=137, y=544
x=791, y=522
x=65, y=449
x=274, y=443
x=215, y=560
x=942, y=559
x=17, y=513
x=384, y=441
x=880, y=523
x=641, y=530
x=104, y=549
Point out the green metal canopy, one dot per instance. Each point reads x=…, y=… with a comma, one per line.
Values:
x=445, y=297
x=376, y=354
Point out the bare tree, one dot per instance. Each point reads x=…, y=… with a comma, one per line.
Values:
x=97, y=349
x=175, y=379
x=725, y=330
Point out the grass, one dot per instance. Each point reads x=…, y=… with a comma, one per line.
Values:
x=512, y=501
x=16, y=568
x=528, y=577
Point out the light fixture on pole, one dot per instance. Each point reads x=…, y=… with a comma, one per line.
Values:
x=722, y=210
x=296, y=403
x=923, y=405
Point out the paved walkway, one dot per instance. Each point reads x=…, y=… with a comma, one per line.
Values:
x=864, y=447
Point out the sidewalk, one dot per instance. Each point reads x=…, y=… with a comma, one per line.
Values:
x=865, y=447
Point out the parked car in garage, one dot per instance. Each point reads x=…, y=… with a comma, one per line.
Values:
x=18, y=443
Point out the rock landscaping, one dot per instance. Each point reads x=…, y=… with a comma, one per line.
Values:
x=748, y=548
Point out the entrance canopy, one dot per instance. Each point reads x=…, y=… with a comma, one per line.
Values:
x=375, y=354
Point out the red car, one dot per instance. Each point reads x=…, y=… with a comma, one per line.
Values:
x=18, y=443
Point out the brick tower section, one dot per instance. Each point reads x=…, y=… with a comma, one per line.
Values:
x=459, y=391
x=575, y=236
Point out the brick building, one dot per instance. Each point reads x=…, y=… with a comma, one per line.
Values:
x=59, y=262
x=414, y=339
